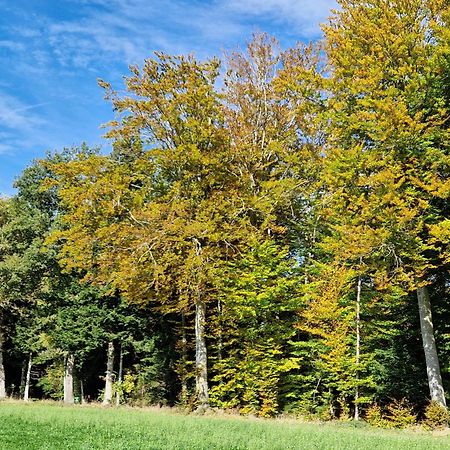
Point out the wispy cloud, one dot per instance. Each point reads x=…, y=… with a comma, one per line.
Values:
x=11, y=45
x=103, y=32
x=14, y=114
x=130, y=29
x=304, y=15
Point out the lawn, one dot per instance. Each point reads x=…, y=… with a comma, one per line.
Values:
x=52, y=426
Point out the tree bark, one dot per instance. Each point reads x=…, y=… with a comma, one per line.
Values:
x=82, y=400
x=183, y=372
x=68, y=379
x=201, y=356
x=109, y=374
x=429, y=347
x=2, y=368
x=220, y=337
x=358, y=345
x=120, y=375
x=23, y=375
x=26, y=392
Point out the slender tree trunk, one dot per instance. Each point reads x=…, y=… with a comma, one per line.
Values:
x=68, y=379
x=26, y=392
x=23, y=375
x=120, y=375
x=109, y=374
x=358, y=344
x=332, y=409
x=220, y=338
x=429, y=347
x=201, y=356
x=2, y=367
x=82, y=401
x=184, y=390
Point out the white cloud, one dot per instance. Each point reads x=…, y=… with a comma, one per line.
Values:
x=16, y=115
x=21, y=126
x=305, y=15
x=11, y=45
x=130, y=30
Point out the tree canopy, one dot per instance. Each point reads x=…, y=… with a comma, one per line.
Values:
x=267, y=234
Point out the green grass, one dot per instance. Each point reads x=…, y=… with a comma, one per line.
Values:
x=52, y=426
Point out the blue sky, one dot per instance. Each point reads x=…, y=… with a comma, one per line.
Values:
x=53, y=51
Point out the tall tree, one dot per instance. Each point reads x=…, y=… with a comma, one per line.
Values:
x=23, y=265
x=167, y=207
x=388, y=147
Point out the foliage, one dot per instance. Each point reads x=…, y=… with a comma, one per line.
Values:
x=144, y=383
x=52, y=382
x=436, y=416
x=259, y=227
x=257, y=305
x=397, y=414
x=400, y=414
x=374, y=416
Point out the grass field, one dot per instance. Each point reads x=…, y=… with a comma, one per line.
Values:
x=52, y=426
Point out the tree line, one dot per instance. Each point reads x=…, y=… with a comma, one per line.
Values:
x=267, y=234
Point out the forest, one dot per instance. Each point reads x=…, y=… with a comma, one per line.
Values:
x=269, y=233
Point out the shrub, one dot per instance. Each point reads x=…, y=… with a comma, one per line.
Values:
x=52, y=382
x=400, y=414
x=323, y=413
x=306, y=409
x=436, y=416
x=374, y=416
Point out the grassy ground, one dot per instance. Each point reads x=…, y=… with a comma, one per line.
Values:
x=52, y=426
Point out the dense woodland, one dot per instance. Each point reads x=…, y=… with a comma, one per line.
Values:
x=269, y=233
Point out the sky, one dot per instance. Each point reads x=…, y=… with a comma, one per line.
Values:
x=53, y=51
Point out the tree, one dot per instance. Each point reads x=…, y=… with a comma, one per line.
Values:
x=274, y=143
x=259, y=300
x=167, y=207
x=78, y=320
x=387, y=152
x=22, y=265
x=189, y=189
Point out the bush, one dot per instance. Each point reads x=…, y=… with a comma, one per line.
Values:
x=436, y=416
x=374, y=417
x=400, y=414
x=52, y=382
x=306, y=409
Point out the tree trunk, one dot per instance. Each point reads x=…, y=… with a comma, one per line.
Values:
x=109, y=374
x=183, y=371
x=220, y=337
x=358, y=345
x=201, y=356
x=120, y=375
x=429, y=347
x=26, y=392
x=23, y=375
x=68, y=379
x=2, y=368
x=82, y=400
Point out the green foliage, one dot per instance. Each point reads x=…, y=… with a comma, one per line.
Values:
x=271, y=232
x=144, y=383
x=52, y=381
x=259, y=297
